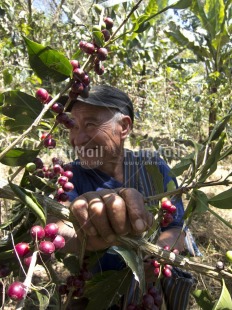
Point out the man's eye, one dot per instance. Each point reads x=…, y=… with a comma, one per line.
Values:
x=89, y=124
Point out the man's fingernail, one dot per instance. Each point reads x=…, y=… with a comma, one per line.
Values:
x=111, y=238
x=139, y=224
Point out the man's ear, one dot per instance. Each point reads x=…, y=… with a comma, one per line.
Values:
x=126, y=124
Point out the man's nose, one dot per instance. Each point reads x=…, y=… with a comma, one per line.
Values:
x=79, y=138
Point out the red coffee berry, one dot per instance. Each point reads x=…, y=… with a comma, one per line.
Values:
x=156, y=271
x=62, y=118
x=85, y=92
x=176, y=251
x=99, y=70
x=62, y=180
x=38, y=162
x=16, y=291
x=102, y=53
x=165, y=203
x=22, y=249
x=78, y=74
x=86, y=80
x=77, y=87
x=51, y=230
x=68, y=187
x=57, y=107
x=155, y=263
x=27, y=260
x=106, y=34
x=72, y=95
x=168, y=218
x=166, y=272
x=45, y=135
x=46, y=247
x=69, y=123
x=59, y=242
x=153, y=291
x=63, y=197
x=58, y=169
x=88, y=48
x=82, y=44
x=86, y=275
x=109, y=22
x=49, y=143
x=4, y=271
x=75, y=63
x=148, y=301
x=42, y=95
x=37, y=232
x=57, y=161
x=166, y=247
x=67, y=167
x=68, y=174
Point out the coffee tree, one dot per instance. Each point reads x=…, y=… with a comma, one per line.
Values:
x=35, y=190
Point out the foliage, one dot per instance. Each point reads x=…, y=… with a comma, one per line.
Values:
x=177, y=68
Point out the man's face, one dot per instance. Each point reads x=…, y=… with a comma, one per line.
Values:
x=96, y=136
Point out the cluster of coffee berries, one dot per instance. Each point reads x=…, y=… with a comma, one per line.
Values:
x=94, y=48
x=80, y=86
x=161, y=269
x=152, y=300
x=47, y=240
x=58, y=173
x=168, y=210
x=75, y=283
x=62, y=118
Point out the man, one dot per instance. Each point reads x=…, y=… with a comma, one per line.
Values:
x=110, y=183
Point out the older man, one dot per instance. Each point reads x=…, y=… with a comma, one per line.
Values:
x=111, y=182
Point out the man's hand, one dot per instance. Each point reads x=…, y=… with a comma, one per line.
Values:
x=106, y=214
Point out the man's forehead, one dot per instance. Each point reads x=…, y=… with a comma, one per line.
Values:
x=84, y=110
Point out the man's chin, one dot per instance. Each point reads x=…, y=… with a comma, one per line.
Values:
x=90, y=164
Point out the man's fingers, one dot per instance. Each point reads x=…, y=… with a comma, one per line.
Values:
x=117, y=214
x=140, y=218
x=79, y=208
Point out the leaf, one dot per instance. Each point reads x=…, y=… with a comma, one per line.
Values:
x=42, y=184
x=21, y=108
x=203, y=299
x=43, y=299
x=135, y=262
x=211, y=163
x=201, y=202
x=215, y=12
x=182, y=4
x=7, y=77
x=222, y=200
x=47, y=62
x=224, y=302
x=180, y=167
x=171, y=186
x=156, y=177
x=30, y=201
x=219, y=127
x=18, y=157
x=98, y=38
x=105, y=289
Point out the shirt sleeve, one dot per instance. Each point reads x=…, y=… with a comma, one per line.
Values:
x=177, y=201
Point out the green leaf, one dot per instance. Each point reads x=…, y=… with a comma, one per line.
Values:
x=224, y=302
x=180, y=167
x=186, y=39
x=98, y=38
x=156, y=177
x=7, y=77
x=203, y=299
x=105, y=289
x=219, y=127
x=21, y=108
x=47, y=62
x=43, y=299
x=182, y=4
x=215, y=12
x=30, y=201
x=42, y=184
x=201, y=202
x=211, y=163
x=222, y=200
x=171, y=186
x=135, y=262
x=18, y=157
